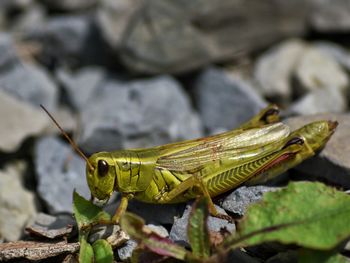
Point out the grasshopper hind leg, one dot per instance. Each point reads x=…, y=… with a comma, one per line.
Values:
x=197, y=183
x=268, y=115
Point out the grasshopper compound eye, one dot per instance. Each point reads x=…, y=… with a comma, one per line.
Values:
x=102, y=168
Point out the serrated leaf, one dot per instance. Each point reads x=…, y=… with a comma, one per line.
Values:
x=311, y=215
x=134, y=226
x=86, y=212
x=103, y=251
x=198, y=234
x=307, y=255
x=86, y=253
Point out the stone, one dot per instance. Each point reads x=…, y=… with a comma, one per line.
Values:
x=17, y=205
x=330, y=15
x=8, y=55
x=51, y=227
x=137, y=114
x=30, y=83
x=319, y=101
x=332, y=164
x=69, y=5
x=32, y=17
x=318, y=70
x=240, y=199
x=59, y=171
x=11, y=5
x=178, y=231
x=144, y=35
x=70, y=40
x=337, y=52
x=19, y=120
x=160, y=230
x=157, y=214
x=225, y=102
x=81, y=85
x=125, y=251
x=274, y=69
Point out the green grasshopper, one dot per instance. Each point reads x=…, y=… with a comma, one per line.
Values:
x=255, y=152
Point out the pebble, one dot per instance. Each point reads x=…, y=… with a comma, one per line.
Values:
x=178, y=231
x=59, y=171
x=69, y=5
x=157, y=214
x=8, y=52
x=240, y=199
x=19, y=120
x=330, y=16
x=332, y=164
x=317, y=70
x=30, y=83
x=274, y=69
x=137, y=114
x=337, y=52
x=17, y=205
x=225, y=102
x=320, y=101
x=80, y=86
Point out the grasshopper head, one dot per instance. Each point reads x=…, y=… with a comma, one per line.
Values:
x=317, y=133
x=100, y=175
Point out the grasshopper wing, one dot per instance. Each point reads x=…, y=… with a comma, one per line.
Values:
x=235, y=145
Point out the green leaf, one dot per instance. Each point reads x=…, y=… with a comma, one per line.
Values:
x=134, y=226
x=198, y=234
x=311, y=215
x=86, y=253
x=87, y=213
x=103, y=251
x=307, y=255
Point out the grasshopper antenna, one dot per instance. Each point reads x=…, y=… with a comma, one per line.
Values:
x=71, y=142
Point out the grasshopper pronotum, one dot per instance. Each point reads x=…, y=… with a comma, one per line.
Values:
x=258, y=150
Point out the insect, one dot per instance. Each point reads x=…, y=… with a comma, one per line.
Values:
x=255, y=152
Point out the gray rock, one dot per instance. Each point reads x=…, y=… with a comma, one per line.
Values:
x=32, y=17
x=320, y=101
x=30, y=83
x=111, y=233
x=157, y=214
x=274, y=69
x=81, y=85
x=65, y=38
x=178, y=231
x=47, y=226
x=318, y=70
x=138, y=114
x=143, y=33
x=59, y=171
x=17, y=205
x=8, y=55
x=69, y=5
x=225, y=102
x=160, y=230
x=239, y=200
x=125, y=251
x=15, y=4
x=332, y=164
x=330, y=15
x=19, y=120
x=337, y=52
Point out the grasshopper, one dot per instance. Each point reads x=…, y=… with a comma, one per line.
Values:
x=258, y=150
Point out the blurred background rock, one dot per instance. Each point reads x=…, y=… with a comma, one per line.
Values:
x=138, y=73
